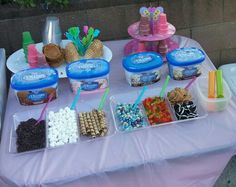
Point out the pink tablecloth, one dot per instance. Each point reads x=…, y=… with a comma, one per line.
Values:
x=191, y=154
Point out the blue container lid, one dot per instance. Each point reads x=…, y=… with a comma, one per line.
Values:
x=34, y=78
x=185, y=56
x=87, y=68
x=143, y=61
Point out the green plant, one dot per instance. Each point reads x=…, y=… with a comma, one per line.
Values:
x=61, y=3
x=34, y=3
x=5, y=1
x=26, y=3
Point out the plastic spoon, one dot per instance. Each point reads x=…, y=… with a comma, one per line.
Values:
x=163, y=89
x=44, y=109
x=139, y=97
x=75, y=99
x=86, y=29
x=103, y=99
x=190, y=83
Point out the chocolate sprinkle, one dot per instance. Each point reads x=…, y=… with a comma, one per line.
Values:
x=30, y=136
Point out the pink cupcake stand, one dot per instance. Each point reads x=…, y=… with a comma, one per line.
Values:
x=151, y=42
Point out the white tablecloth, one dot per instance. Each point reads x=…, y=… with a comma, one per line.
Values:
x=191, y=154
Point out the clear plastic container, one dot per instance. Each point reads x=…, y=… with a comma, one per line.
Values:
x=56, y=109
x=17, y=118
x=142, y=68
x=185, y=63
x=91, y=75
x=201, y=111
x=130, y=98
x=89, y=103
x=127, y=98
x=212, y=104
x=33, y=86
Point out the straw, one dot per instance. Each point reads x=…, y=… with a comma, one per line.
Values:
x=190, y=82
x=44, y=108
x=163, y=89
x=139, y=97
x=103, y=99
x=75, y=99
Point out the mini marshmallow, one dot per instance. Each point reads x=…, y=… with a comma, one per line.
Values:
x=62, y=127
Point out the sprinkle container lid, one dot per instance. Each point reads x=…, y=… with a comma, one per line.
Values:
x=87, y=68
x=185, y=56
x=143, y=61
x=34, y=78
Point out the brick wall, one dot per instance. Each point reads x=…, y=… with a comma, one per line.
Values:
x=211, y=22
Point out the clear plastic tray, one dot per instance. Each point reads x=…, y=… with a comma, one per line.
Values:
x=130, y=98
x=88, y=105
x=17, y=118
x=56, y=109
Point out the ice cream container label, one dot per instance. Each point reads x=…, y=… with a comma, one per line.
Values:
x=185, y=56
x=89, y=86
x=146, y=78
x=185, y=63
x=143, y=61
x=37, y=96
x=33, y=86
x=87, y=68
x=34, y=78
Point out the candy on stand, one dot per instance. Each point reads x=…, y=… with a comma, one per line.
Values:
x=142, y=68
x=33, y=86
x=90, y=75
x=153, y=30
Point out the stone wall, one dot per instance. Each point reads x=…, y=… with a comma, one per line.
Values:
x=211, y=22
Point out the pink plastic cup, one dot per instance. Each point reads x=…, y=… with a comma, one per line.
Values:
x=163, y=24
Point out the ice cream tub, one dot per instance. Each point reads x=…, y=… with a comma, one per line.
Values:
x=185, y=63
x=34, y=86
x=90, y=74
x=142, y=68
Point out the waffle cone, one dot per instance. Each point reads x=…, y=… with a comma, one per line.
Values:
x=71, y=53
x=95, y=50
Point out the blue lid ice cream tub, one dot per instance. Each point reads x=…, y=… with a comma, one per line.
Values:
x=142, y=68
x=34, y=86
x=185, y=63
x=89, y=74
